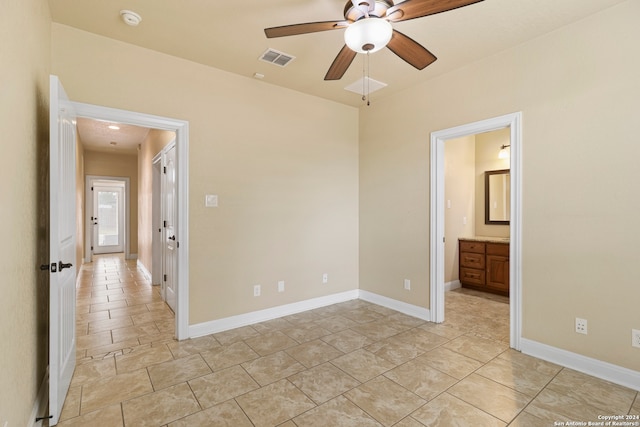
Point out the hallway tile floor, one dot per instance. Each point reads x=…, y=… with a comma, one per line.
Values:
x=348, y=364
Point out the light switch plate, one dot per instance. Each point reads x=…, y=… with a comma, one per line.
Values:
x=211, y=201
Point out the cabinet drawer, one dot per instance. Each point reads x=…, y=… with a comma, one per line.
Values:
x=471, y=276
x=498, y=249
x=467, y=246
x=469, y=259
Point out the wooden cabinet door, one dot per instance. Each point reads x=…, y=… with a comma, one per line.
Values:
x=498, y=272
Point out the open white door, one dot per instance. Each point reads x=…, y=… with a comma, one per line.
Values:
x=62, y=234
x=169, y=217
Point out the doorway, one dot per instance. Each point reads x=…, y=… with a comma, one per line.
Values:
x=107, y=216
x=181, y=229
x=437, y=214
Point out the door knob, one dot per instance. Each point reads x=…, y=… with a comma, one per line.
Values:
x=62, y=266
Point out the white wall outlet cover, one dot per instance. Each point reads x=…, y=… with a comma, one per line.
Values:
x=211, y=201
x=281, y=286
x=325, y=278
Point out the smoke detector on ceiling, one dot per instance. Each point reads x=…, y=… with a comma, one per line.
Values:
x=130, y=18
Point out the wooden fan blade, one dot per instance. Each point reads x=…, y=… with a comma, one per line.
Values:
x=410, y=9
x=340, y=64
x=410, y=50
x=310, y=27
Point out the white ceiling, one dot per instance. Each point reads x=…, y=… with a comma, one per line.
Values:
x=96, y=136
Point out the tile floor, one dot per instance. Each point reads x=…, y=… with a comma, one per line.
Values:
x=349, y=364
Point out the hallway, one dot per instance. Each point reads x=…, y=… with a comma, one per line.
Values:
x=349, y=364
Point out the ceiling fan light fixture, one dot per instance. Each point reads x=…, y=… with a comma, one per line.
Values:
x=368, y=35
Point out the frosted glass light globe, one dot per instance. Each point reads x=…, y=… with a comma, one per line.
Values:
x=368, y=35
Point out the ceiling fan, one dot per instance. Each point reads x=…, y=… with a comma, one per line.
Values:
x=368, y=29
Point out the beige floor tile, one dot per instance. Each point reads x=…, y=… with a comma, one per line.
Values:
x=362, y=315
x=152, y=316
x=128, y=311
x=274, y=404
x=338, y=412
x=385, y=400
x=363, y=365
x=525, y=419
x=497, y=400
x=408, y=422
x=223, y=385
x=347, y=340
x=314, y=353
x=110, y=416
x=376, y=330
x=229, y=355
x=593, y=391
x=173, y=372
x=143, y=358
x=635, y=409
x=111, y=350
x=134, y=332
x=272, y=325
x=161, y=407
x=227, y=414
x=552, y=406
x=306, y=333
x=107, y=304
x=335, y=323
x=269, y=369
x=422, y=339
x=443, y=330
x=420, y=378
x=193, y=346
x=394, y=350
x=323, y=382
x=235, y=335
x=477, y=348
x=71, y=407
x=450, y=362
x=101, y=393
x=109, y=324
x=94, y=370
x=92, y=317
x=270, y=342
x=93, y=340
x=447, y=411
x=522, y=373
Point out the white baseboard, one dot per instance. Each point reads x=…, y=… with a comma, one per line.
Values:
x=402, y=307
x=132, y=256
x=597, y=368
x=455, y=284
x=240, y=320
x=41, y=403
x=144, y=270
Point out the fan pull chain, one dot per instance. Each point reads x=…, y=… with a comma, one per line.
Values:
x=366, y=69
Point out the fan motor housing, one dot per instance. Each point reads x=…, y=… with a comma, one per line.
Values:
x=353, y=13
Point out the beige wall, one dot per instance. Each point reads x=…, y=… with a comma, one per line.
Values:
x=121, y=166
x=487, y=147
x=152, y=145
x=578, y=91
x=24, y=108
x=284, y=165
x=460, y=195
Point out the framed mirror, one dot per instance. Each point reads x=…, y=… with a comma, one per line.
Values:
x=497, y=197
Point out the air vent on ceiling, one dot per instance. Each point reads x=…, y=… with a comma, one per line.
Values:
x=277, y=58
x=362, y=86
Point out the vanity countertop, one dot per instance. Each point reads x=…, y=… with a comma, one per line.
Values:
x=486, y=239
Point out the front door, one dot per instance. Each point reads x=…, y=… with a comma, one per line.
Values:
x=169, y=218
x=62, y=247
x=108, y=219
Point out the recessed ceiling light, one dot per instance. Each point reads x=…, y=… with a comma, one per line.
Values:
x=130, y=18
x=114, y=127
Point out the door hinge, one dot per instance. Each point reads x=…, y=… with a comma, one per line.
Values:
x=164, y=169
x=164, y=224
x=165, y=278
x=91, y=188
x=177, y=244
x=91, y=247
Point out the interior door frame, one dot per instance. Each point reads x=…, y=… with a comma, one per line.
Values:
x=437, y=214
x=156, y=222
x=88, y=199
x=181, y=129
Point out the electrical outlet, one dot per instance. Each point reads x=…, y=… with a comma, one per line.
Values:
x=256, y=290
x=281, y=286
x=407, y=284
x=325, y=278
x=635, y=338
x=581, y=326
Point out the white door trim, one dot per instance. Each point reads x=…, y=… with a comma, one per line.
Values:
x=156, y=223
x=514, y=122
x=181, y=128
x=88, y=199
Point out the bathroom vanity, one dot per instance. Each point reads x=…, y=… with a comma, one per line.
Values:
x=484, y=264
